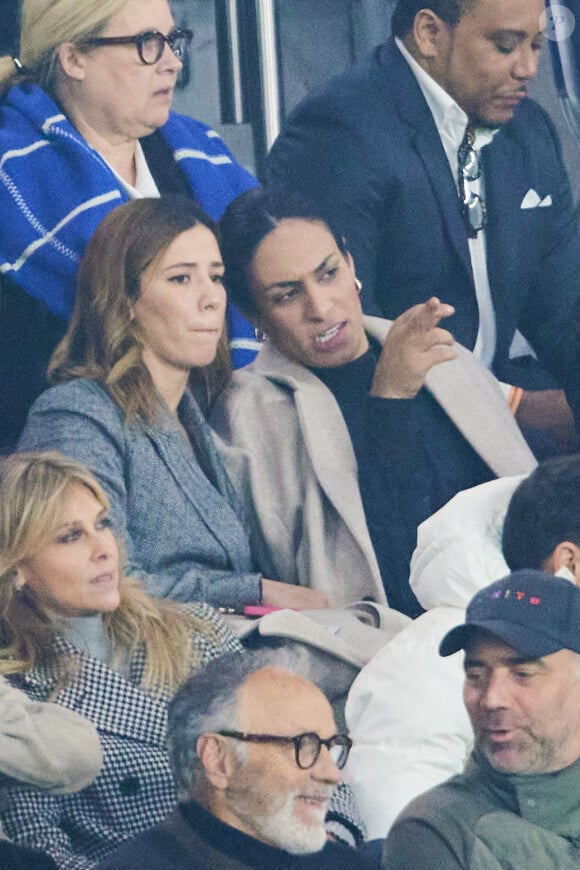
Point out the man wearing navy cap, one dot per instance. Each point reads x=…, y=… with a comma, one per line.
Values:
x=517, y=805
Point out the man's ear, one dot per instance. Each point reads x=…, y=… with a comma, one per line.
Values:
x=216, y=759
x=72, y=61
x=428, y=30
x=566, y=555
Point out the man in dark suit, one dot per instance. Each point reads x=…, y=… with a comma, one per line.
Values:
x=449, y=181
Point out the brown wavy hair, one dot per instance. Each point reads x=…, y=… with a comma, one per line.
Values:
x=103, y=343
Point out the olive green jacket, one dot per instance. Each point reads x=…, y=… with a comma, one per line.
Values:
x=487, y=820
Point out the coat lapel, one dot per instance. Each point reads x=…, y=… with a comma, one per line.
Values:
x=506, y=182
x=332, y=457
x=203, y=444
x=470, y=396
x=415, y=113
x=203, y=478
x=96, y=692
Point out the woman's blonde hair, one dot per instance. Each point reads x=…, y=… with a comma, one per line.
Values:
x=104, y=342
x=46, y=24
x=33, y=487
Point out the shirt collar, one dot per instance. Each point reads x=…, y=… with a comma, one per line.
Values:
x=549, y=800
x=450, y=119
x=145, y=185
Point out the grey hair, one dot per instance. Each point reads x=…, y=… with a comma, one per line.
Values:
x=208, y=701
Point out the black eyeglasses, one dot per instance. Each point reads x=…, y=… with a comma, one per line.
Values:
x=306, y=746
x=150, y=44
x=472, y=205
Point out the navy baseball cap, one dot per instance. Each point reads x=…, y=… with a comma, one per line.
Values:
x=535, y=613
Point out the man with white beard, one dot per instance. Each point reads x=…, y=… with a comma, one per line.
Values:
x=256, y=759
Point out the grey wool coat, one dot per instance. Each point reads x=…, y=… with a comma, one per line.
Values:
x=174, y=508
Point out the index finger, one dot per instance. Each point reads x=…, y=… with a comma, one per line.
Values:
x=438, y=309
x=427, y=315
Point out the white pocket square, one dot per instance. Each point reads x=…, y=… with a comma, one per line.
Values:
x=533, y=200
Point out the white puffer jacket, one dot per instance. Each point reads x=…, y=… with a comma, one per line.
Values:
x=405, y=710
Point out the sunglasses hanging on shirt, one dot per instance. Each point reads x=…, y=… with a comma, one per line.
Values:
x=472, y=205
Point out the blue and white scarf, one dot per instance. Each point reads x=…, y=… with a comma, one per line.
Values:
x=55, y=189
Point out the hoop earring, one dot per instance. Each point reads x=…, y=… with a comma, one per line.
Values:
x=18, y=582
x=358, y=285
x=259, y=335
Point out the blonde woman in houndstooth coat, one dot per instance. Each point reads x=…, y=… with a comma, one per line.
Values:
x=75, y=630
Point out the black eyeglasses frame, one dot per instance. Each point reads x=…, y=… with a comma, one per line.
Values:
x=139, y=39
x=341, y=740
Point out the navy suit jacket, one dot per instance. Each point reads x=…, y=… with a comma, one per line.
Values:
x=367, y=150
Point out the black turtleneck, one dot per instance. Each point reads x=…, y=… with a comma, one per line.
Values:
x=191, y=837
x=411, y=460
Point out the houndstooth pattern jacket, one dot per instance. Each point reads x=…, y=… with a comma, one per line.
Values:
x=134, y=790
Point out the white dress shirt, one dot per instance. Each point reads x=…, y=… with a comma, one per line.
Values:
x=144, y=182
